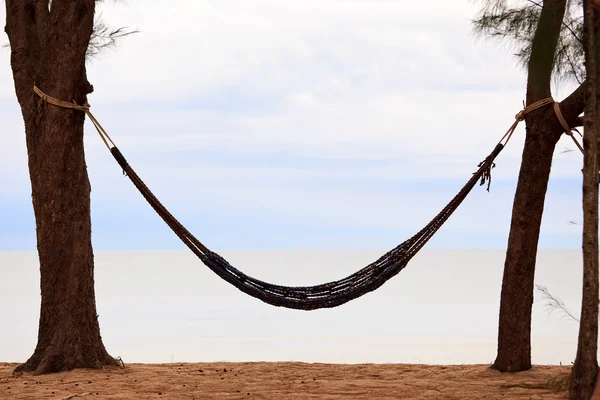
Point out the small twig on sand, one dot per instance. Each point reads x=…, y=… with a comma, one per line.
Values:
x=75, y=395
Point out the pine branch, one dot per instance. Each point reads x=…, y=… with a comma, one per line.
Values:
x=104, y=38
x=554, y=303
x=516, y=23
x=569, y=28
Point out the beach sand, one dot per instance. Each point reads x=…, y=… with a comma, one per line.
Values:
x=287, y=380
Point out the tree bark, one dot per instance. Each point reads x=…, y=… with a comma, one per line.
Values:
x=585, y=368
x=48, y=48
x=514, y=333
x=542, y=134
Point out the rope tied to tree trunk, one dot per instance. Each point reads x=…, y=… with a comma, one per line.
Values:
x=486, y=177
x=74, y=106
x=521, y=115
x=566, y=126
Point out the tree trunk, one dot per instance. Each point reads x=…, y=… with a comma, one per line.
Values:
x=69, y=334
x=514, y=342
x=48, y=48
x=585, y=368
x=542, y=134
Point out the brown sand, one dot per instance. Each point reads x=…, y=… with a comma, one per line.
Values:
x=287, y=381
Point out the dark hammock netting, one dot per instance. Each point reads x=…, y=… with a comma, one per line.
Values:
x=326, y=295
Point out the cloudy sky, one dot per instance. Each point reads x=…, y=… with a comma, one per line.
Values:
x=297, y=124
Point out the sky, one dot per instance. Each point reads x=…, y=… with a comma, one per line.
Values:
x=297, y=124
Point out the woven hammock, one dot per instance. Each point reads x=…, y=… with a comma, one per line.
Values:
x=329, y=294
x=326, y=295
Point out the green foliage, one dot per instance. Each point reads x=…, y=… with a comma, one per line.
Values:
x=554, y=303
x=104, y=38
x=516, y=22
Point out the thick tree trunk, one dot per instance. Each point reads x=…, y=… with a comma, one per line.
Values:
x=585, y=368
x=514, y=344
x=69, y=334
x=48, y=48
x=542, y=134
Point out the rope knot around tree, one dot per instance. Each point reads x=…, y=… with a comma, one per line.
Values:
x=532, y=107
x=521, y=115
x=60, y=103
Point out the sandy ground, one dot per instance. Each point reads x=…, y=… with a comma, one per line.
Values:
x=287, y=381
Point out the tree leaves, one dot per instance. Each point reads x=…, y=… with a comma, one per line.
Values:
x=105, y=38
x=516, y=22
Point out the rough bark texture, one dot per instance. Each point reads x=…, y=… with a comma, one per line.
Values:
x=48, y=48
x=514, y=341
x=585, y=368
x=542, y=134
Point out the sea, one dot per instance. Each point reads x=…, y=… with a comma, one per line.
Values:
x=166, y=306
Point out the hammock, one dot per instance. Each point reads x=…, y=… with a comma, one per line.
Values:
x=327, y=295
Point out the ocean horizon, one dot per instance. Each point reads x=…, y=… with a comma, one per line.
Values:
x=166, y=306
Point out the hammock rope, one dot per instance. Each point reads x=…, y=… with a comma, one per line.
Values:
x=325, y=295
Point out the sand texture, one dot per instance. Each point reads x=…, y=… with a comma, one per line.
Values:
x=287, y=381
